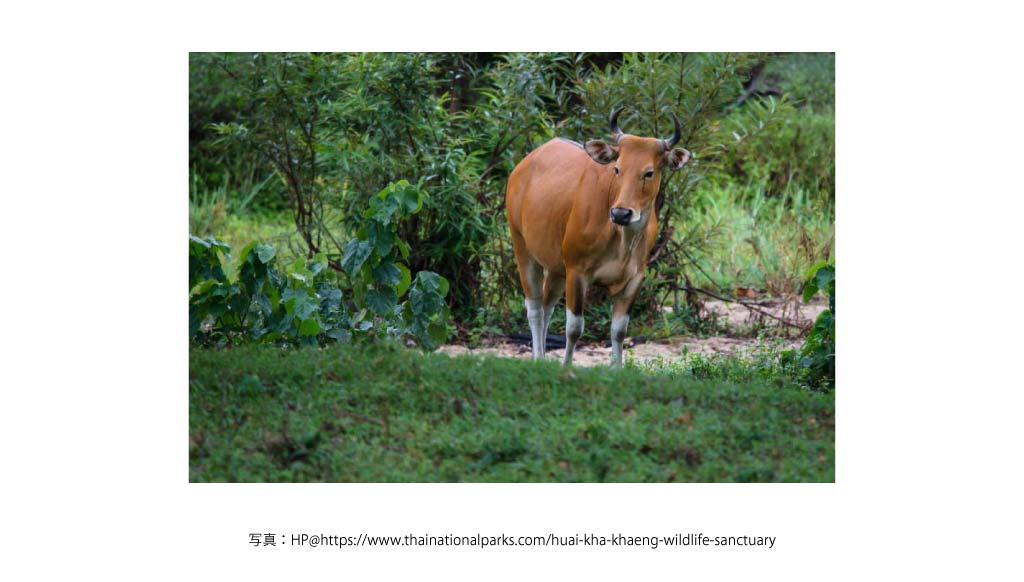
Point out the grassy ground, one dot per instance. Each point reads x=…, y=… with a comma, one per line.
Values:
x=390, y=414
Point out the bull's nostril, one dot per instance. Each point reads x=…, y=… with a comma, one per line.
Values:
x=621, y=215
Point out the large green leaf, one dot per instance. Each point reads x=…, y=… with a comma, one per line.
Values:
x=387, y=274
x=432, y=282
x=821, y=278
x=265, y=253
x=404, y=281
x=304, y=307
x=309, y=327
x=438, y=331
x=382, y=206
x=204, y=287
x=380, y=237
x=318, y=264
x=402, y=248
x=813, y=270
x=424, y=302
x=825, y=276
x=409, y=197
x=810, y=288
x=356, y=253
x=330, y=298
x=263, y=304
x=381, y=301
x=204, y=260
x=290, y=295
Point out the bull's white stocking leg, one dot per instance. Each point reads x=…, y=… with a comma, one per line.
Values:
x=535, y=315
x=535, y=308
x=620, y=318
x=573, y=331
x=619, y=323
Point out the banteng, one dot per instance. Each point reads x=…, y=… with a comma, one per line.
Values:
x=582, y=216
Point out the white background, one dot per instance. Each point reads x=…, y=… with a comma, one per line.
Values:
x=94, y=409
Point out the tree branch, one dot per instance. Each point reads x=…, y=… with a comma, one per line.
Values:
x=749, y=306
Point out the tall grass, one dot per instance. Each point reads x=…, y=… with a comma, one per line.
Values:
x=760, y=242
x=209, y=206
x=226, y=213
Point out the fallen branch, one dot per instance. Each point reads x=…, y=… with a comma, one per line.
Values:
x=751, y=306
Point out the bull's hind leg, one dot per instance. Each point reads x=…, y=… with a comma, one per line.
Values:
x=531, y=277
x=554, y=286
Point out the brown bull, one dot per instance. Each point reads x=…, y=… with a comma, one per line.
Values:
x=582, y=216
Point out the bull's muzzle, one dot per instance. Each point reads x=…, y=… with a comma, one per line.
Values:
x=621, y=216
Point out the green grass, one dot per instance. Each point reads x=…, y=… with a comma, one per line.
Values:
x=767, y=244
x=225, y=212
x=238, y=230
x=385, y=413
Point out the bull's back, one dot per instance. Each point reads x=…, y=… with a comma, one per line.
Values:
x=540, y=195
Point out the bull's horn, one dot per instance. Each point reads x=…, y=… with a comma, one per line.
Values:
x=613, y=123
x=675, y=136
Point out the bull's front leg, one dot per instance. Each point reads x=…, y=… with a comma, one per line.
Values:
x=619, y=323
x=620, y=318
x=575, y=291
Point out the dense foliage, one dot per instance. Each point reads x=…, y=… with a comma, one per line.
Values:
x=817, y=357
x=316, y=135
x=307, y=302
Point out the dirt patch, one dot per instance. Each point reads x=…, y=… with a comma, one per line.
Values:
x=766, y=315
x=737, y=318
x=593, y=354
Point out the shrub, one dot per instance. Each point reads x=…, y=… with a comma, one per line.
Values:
x=310, y=303
x=816, y=359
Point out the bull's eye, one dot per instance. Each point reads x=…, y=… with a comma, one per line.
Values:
x=648, y=174
x=616, y=170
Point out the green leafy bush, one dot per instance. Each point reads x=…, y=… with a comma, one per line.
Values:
x=816, y=359
x=308, y=302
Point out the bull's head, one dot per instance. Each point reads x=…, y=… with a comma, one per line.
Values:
x=637, y=165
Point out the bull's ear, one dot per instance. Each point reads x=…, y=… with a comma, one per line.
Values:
x=676, y=158
x=601, y=152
